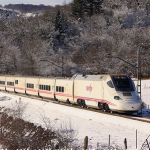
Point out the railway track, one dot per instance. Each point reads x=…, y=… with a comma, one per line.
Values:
x=132, y=117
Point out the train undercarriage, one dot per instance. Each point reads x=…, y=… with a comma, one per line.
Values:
x=101, y=106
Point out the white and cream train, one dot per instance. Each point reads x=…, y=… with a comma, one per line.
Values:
x=106, y=92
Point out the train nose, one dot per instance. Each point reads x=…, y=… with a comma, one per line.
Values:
x=131, y=106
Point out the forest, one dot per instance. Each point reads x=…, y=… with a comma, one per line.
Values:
x=78, y=37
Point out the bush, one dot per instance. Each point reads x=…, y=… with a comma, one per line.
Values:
x=18, y=134
x=15, y=133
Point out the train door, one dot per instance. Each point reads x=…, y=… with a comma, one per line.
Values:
x=54, y=89
x=2, y=83
x=102, y=91
x=103, y=103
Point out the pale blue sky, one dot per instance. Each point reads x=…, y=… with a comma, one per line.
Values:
x=34, y=2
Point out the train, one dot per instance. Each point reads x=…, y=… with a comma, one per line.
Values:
x=107, y=92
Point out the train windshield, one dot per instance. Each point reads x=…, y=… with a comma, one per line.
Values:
x=122, y=83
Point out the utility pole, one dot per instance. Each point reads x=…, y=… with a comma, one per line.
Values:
x=138, y=73
x=138, y=67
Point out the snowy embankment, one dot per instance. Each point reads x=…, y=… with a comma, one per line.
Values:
x=145, y=90
x=96, y=126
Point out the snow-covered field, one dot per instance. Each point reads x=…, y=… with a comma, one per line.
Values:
x=145, y=89
x=96, y=126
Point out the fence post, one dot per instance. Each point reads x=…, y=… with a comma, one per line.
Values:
x=97, y=145
x=86, y=143
x=125, y=143
x=148, y=144
x=109, y=140
x=136, y=139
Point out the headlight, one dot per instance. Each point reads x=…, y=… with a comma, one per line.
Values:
x=117, y=98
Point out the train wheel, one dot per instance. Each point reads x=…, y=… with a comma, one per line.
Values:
x=100, y=105
x=68, y=101
x=81, y=103
x=106, y=107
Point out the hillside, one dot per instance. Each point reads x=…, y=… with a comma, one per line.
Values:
x=76, y=37
x=6, y=13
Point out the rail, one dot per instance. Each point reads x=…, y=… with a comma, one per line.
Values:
x=132, y=117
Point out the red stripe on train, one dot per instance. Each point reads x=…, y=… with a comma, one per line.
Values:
x=18, y=88
x=11, y=87
x=45, y=92
x=94, y=99
x=30, y=90
x=2, y=85
x=61, y=94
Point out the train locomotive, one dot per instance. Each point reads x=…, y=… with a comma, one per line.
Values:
x=115, y=93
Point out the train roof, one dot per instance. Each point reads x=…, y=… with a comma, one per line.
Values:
x=74, y=77
x=41, y=77
x=93, y=77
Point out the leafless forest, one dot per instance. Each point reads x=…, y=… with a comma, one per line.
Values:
x=76, y=38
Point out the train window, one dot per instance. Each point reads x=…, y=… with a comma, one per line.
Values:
x=110, y=84
x=56, y=88
x=16, y=81
x=122, y=82
x=62, y=89
x=2, y=82
x=31, y=86
x=45, y=87
x=59, y=88
x=133, y=85
x=10, y=83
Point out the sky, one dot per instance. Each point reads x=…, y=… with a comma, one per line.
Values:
x=34, y=2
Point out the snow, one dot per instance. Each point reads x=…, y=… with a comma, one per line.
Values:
x=145, y=89
x=96, y=126
x=30, y=14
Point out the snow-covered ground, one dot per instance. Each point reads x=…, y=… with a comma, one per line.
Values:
x=96, y=126
x=145, y=89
